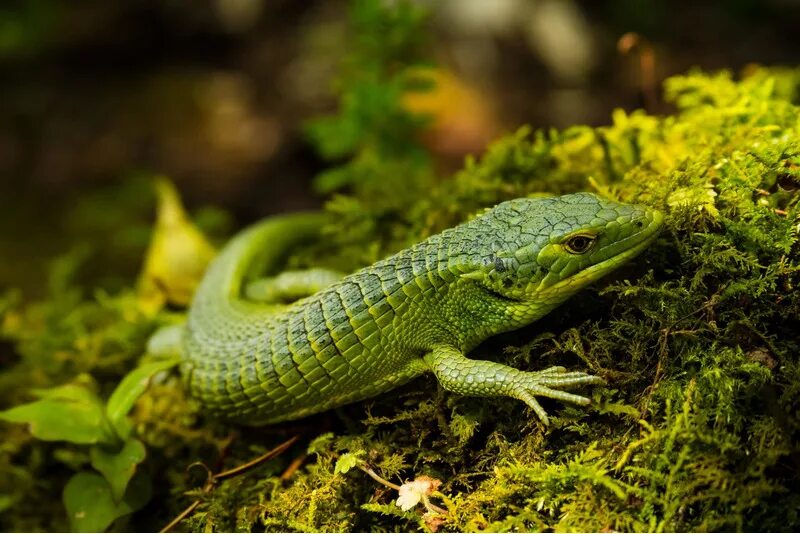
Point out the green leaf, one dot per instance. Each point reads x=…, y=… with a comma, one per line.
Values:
x=347, y=461
x=7, y=501
x=82, y=390
x=91, y=506
x=118, y=466
x=67, y=413
x=131, y=387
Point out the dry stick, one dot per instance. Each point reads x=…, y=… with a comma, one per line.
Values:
x=375, y=476
x=181, y=516
x=432, y=507
x=260, y=460
x=293, y=467
x=213, y=479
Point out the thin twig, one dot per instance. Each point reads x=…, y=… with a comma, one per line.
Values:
x=212, y=479
x=181, y=516
x=432, y=507
x=260, y=460
x=425, y=500
x=293, y=467
x=375, y=476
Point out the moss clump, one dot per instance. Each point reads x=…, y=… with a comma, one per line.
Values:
x=699, y=339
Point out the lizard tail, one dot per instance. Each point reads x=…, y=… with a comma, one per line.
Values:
x=218, y=302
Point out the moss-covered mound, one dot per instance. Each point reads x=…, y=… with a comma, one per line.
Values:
x=699, y=340
x=698, y=428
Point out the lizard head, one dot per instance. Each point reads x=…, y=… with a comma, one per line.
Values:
x=544, y=250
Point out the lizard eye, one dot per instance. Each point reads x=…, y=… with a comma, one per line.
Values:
x=579, y=244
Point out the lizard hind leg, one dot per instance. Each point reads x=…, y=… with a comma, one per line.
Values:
x=290, y=286
x=483, y=378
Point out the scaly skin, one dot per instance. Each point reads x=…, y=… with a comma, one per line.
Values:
x=421, y=310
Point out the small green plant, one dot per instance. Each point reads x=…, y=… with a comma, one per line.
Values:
x=74, y=413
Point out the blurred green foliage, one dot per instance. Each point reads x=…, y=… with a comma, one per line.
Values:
x=698, y=428
x=73, y=413
x=373, y=131
x=25, y=26
x=373, y=141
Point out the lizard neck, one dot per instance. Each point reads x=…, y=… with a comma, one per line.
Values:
x=436, y=304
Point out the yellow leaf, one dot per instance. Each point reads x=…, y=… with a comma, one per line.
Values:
x=177, y=257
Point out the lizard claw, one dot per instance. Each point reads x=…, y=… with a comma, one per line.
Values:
x=548, y=383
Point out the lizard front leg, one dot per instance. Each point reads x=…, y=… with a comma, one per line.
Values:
x=483, y=378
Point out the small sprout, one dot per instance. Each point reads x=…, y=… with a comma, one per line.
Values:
x=348, y=461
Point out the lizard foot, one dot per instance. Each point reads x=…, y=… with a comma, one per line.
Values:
x=548, y=383
x=482, y=378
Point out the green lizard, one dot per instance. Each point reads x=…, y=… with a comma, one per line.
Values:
x=420, y=310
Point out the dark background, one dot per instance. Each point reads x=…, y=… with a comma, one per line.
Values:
x=214, y=93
